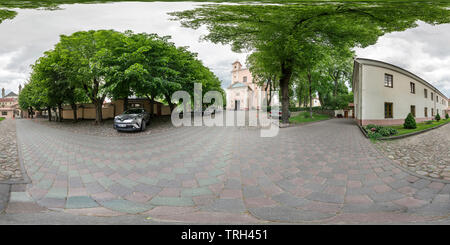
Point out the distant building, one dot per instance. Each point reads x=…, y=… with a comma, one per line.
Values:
x=244, y=93
x=9, y=104
x=384, y=94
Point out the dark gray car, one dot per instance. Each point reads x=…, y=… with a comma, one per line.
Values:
x=132, y=120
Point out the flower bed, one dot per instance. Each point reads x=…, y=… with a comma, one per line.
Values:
x=380, y=132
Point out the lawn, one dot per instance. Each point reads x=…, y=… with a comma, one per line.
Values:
x=420, y=126
x=2, y=118
x=300, y=118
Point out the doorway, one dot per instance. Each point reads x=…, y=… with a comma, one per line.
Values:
x=237, y=105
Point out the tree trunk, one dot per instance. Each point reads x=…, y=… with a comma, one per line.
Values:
x=56, y=114
x=125, y=103
x=98, y=111
x=49, y=113
x=60, y=112
x=270, y=92
x=152, y=104
x=286, y=73
x=169, y=101
x=310, y=95
x=74, y=110
x=336, y=79
x=321, y=99
x=299, y=95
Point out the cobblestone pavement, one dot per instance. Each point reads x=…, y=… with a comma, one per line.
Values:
x=325, y=172
x=9, y=164
x=427, y=154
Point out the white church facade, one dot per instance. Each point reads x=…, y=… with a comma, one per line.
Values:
x=244, y=93
x=384, y=94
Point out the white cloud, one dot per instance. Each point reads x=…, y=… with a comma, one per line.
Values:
x=423, y=50
x=35, y=31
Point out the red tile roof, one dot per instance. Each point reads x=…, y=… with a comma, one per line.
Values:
x=8, y=99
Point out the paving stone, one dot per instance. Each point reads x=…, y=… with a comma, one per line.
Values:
x=20, y=197
x=289, y=200
x=287, y=214
x=294, y=177
x=325, y=197
x=227, y=205
x=80, y=202
x=172, y=201
x=386, y=196
x=125, y=206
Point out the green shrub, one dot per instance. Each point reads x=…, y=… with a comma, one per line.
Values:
x=438, y=117
x=374, y=135
x=446, y=116
x=410, y=122
x=369, y=126
x=384, y=132
x=429, y=122
x=392, y=131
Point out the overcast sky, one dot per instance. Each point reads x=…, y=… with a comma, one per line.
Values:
x=424, y=50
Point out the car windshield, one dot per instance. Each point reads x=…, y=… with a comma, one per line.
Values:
x=134, y=111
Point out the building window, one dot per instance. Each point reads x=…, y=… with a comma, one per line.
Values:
x=425, y=92
x=244, y=79
x=431, y=95
x=412, y=87
x=413, y=110
x=388, y=110
x=388, y=80
x=437, y=98
x=425, y=112
x=4, y=113
x=432, y=112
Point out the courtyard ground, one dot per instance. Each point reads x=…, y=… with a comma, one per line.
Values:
x=325, y=172
x=426, y=154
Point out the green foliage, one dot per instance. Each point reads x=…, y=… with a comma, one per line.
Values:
x=375, y=131
x=296, y=38
x=437, y=117
x=374, y=135
x=410, y=122
x=446, y=116
x=91, y=65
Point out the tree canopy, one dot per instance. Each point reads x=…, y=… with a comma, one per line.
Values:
x=93, y=65
x=290, y=37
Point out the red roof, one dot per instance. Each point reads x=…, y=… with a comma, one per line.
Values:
x=8, y=99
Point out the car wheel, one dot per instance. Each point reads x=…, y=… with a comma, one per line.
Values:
x=143, y=125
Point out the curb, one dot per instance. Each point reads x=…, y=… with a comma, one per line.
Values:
x=403, y=135
x=413, y=133
x=291, y=125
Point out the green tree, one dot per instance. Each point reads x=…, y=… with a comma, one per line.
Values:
x=410, y=122
x=285, y=33
x=92, y=56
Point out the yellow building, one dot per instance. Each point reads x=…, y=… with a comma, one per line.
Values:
x=9, y=105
